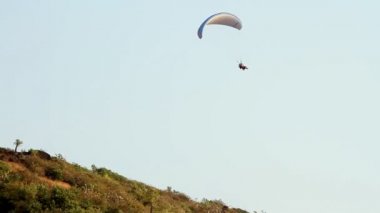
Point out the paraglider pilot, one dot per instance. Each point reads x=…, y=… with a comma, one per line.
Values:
x=242, y=66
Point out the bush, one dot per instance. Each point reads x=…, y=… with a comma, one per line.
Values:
x=108, y=173
x=113, y=210
x=17, y=197
x=54, y=173
x=43, y=196
x=4, y=171
x=63, y=199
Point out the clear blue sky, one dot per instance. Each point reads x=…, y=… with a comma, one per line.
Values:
x=128, y=85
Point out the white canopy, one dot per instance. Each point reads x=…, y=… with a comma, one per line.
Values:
x=223, y=18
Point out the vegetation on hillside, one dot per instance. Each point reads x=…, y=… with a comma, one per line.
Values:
x=34, y=181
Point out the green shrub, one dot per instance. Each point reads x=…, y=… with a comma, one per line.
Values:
x=17, y=197
x=4, y=167
x=108, y=173
x=4, y=172
x=113, y=210
x=43, y=196
x=54, y=173
x=63, y=199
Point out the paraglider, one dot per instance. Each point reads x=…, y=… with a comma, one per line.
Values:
x=226, y=19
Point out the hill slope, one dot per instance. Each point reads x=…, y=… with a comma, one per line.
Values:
x=34, y=181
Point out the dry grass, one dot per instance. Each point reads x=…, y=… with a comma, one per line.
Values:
x=16, y=167
x=56, y=183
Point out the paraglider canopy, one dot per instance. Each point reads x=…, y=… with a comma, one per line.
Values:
x=223, y=18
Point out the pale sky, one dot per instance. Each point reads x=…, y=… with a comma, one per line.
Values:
x=129, y=86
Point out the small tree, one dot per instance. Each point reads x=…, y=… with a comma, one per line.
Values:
x=17, y=143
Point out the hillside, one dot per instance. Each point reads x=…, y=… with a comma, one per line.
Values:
x=34, y=181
